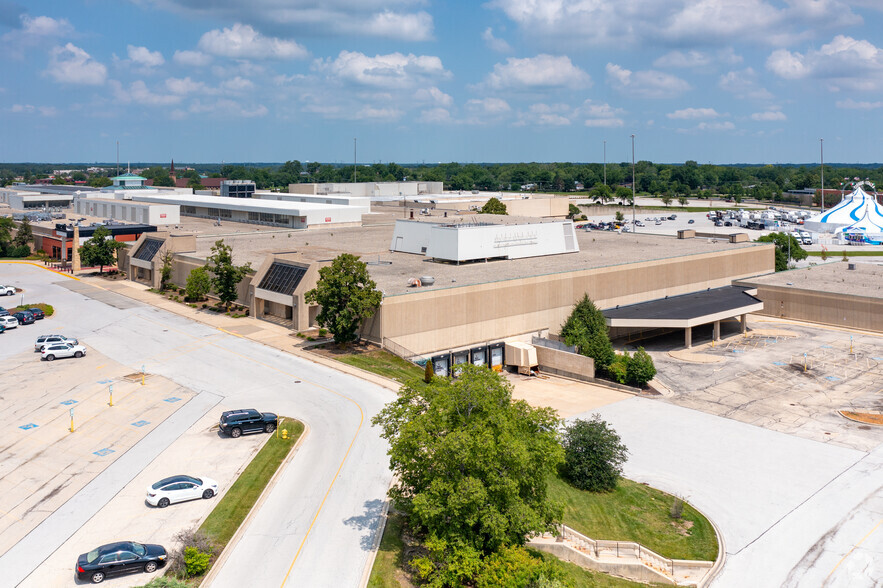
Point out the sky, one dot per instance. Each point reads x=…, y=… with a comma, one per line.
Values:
x=412, y=81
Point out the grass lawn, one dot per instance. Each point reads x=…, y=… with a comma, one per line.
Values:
x=384, y=364
x=228, y=515
x=639, y=513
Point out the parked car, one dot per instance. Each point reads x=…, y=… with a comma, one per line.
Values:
x=7, y=290
x=117, y=559
x=38, y=313
x=728, y=223
x=2, y=329
x=51, y=352
x=180, y=489
x=9, y=321
x=237, y=422
x=672, y=217
x=3, y=311
x=44, y=340
x=24, y=317
x=691, y=221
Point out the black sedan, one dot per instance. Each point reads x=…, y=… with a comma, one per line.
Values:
x=24, y=317
x=38, y=314
x=117, y=559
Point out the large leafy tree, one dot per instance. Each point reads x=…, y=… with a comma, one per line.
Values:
x=593, y=455
x=100, y=250
x=493, y=206
x=225, y=275
x=347, y=295
x=471, y=466
x=785, y=244
x=586, y=328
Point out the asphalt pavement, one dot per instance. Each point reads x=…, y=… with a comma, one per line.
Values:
x=318, y=524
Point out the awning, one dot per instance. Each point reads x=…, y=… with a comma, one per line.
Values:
x=686, y=310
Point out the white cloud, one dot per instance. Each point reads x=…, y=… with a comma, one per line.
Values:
x=433, y=95
x=850, y=104
x=680, y=59
x=138, y=93
x=601, y=115
x=243, y=42
x=492, y=106
x=552, y=115
x=394, y=25
x=35, y=31
x=378, y=114
x=237, y=84
x=645, y=84
x=435, y=116
x=743, y=85
x=495, y=44
x=72, y=65
x=47, y=111
x=693, y=113
x=184, y=85
x=227, y=108
x=191, y=58
x=393, y=19
x=851, y=63
x=540, y=72
x=716, y=126
x=144, y=56
x=769, y=116
x=394, y=70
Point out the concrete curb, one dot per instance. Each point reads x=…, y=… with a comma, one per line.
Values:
x=721, y=552
x=228, y=549
x=375, y=547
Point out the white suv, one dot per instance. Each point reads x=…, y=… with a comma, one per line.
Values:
x=50, y=352
x=44, y=340
x=9, y=321
x=7, y=290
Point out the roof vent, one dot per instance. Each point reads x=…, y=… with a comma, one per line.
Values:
x=427, y=280
x=850, y=266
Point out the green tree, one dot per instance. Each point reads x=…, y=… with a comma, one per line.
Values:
x=683, y=200
x=601, y=193
x=100, y=250
x=593, y=455
x=785, y=244
x=493, y=206
x=640, y=368
x=199, y=283
x=6, y=227
x=165, y=272
x=470, y=467
x=619, y=216
x=225, y=275
x=572, y=210
x=24, y=235
x=100, y=181
x=586, y=328
x=624, y=195
x=666, y=199
x=347, y=295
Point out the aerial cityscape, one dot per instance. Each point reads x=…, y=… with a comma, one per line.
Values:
x=509, y=294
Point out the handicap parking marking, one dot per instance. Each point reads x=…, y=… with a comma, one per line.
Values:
x=105, y=381
x=69, y=402
x=140, y=423
x=877, y=358
x=172, y=399
x=103, y=452
x=827, y=347
x=833, y=379
x=738, y=351
x=779, y=363
x=28, y=426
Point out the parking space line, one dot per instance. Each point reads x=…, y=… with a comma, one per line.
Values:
x=848, y=553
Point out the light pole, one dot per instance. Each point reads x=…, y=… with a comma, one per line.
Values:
x=354, y=161
x=822, y=154
x=605, y=163
x=634, y=226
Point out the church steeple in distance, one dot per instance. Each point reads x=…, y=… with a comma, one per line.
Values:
x=172, y=171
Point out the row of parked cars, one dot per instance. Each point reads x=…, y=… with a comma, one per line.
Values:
x=22, y=317
x=126, y=557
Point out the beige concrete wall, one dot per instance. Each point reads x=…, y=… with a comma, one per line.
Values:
x=842, y=310
x=458, y=317
x=564, y=363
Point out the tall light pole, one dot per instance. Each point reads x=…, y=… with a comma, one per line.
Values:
x=634, y=226
x=354, y=160
x=822, y=154
x=605, y=163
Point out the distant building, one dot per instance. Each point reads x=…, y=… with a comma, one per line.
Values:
x=238, y=188
x=128, y=181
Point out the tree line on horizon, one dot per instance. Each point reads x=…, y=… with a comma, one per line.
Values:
x=762, y=182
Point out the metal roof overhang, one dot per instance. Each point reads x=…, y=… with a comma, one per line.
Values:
x=686, y=310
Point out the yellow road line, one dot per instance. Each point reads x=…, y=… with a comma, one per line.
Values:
x=48, y=269
x=281, y=371
x=871, y=532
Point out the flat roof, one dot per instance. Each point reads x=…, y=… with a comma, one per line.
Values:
x=245, y=204
x=833, y=277
x=685, y=310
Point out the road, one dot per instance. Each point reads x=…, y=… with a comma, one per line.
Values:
x=317, y=526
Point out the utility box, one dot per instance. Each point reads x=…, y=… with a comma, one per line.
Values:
x=521, y=355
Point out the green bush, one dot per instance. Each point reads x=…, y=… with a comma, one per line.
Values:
x=199, y=282
x=165, y=582
x=19, y=251
x=640, y=368
x=514, y=567
x=618, y=368
x=195, y=561
x=593, y=455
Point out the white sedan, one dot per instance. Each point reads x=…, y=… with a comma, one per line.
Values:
x=51, y=352
x=7, y=290
x=180, y=489
x=9, y=321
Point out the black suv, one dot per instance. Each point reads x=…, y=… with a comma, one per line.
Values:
x=248, y=420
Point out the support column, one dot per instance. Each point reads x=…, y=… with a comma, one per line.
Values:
x=744, y=322
x=717, y=331
x=76, y=250
x=688, y=337
x=63, y=255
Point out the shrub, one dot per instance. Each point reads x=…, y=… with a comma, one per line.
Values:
x=640, y=368
x=165, y=582
x=199, y=283
x=618, y=368
x=20, y=251
x=323, y=332
x=677, y=508
x=195, y=561
x=513, y=567
x=593, y=455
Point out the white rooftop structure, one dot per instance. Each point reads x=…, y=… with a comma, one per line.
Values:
x=370, y=189
x=858, y=213
x=494, y=239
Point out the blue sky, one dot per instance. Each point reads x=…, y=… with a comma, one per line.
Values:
x=721, y=81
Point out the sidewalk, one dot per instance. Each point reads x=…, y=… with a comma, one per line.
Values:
x=266, y=333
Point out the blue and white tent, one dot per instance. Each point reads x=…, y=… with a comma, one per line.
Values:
x=858, y=212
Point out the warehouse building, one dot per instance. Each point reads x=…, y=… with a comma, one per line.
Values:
x=147, y=213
